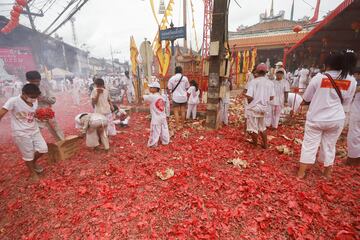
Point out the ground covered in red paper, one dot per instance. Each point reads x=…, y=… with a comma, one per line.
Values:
x=117, y=195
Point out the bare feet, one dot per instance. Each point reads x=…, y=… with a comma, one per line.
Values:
x=327, y=172
x=38, y=169
x=34, y=177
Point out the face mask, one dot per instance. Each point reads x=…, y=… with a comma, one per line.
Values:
x=31, y=100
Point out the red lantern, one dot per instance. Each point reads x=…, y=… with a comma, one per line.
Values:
x=18, y=8
x=21, y=2
x=297, y=28
x=355, y=26
x=15, y=14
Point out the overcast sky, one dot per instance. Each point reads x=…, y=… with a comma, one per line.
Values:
x=102, y=23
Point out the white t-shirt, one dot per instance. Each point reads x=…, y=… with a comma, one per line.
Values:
x=180, y=94
x=23, y=121
x=325, y=103
x=194, y=95
x=157, y=108
x=103, y=105
x=304, y=74
x=280, y=88
x=260, y=89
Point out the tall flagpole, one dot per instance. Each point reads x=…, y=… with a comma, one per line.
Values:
x=185, y=22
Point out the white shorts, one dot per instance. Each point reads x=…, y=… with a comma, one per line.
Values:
x=30, y=144
x=255, y=124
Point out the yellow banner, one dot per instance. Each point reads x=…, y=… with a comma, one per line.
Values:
x=134, y=53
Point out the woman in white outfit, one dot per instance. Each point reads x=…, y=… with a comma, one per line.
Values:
x=193, y=100
x=353, y=139
x=327, y=94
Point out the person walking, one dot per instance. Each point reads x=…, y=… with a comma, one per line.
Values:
x=46, y=100
x=327, y=95
x=178, y=85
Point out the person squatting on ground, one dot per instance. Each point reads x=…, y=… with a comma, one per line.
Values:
x=101, y=101
x=193, y=100
x=353, y=138
x=282, y=89
x=178, y=84
x=224, y=102
x=327, y=95
x=25, y=129
x=45, y=100
x=94, y=125
x=159, y=129
x=259, y=93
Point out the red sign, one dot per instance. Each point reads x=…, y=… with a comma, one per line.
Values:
x=16, y=62
x=341, y=84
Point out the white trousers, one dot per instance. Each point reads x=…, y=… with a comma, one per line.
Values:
x=224, y=112
x=111, y=128
x=275, y=115
x=93, y=135
x=353, y=138
x=191, y=110
x=323, y=135
x=159, y=132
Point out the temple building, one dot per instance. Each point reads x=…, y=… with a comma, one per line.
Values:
x=272, y=36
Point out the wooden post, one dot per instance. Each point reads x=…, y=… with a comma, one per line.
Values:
x=217, y=55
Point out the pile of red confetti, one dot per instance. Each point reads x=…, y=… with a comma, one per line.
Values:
x=117, y=195
x=44, y=114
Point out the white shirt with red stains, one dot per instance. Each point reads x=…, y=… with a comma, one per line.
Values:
x=157, y=108
x=325, y=103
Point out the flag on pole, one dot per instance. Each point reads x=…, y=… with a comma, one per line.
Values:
x=134, y=53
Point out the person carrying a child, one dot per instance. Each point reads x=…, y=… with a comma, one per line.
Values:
x=102, y=104
x=159, y=129
x=193, y=100
x=25, y=129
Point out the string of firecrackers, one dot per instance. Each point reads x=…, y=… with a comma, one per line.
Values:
x=164, y=57
x=15, y=15
x=193, y=25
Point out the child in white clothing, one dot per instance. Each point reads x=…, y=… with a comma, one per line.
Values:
x=159, y=127
x=25, y=129
x=193, y=100
x=282, y=89
x=225, y=89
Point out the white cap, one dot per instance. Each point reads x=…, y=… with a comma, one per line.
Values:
x=154, y=85
x=78, y=121
x=279, y=64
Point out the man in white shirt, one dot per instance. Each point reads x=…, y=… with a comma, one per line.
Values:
x=178, y=85
x=25, y=129
x=46, y=99
x=259, y=94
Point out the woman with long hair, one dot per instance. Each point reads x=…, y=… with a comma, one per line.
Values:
x=327, y=94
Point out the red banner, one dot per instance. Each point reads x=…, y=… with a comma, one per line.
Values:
x=15, y=62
